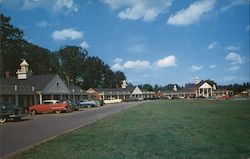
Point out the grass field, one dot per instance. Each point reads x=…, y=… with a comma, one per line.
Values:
x=160, y=129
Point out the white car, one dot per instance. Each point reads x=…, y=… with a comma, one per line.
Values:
x=112, y=100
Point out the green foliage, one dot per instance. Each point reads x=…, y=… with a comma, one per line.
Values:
x=11, y=45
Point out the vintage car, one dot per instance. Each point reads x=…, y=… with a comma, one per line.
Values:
x=112, y=100
x=49, y=106
x=74, y=105
x=88, y=103
x=10, y=111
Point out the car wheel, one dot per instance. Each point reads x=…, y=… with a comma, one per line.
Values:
x=33, y=112
x=58, y=111
x=3, y=120
x=98, y=104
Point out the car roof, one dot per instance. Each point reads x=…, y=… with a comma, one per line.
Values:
x=51, y=101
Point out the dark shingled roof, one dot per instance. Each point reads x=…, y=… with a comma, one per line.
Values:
x=77, y=90
x=24, y=87
x=115, y=90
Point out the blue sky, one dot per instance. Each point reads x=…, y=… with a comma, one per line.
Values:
x=151, y=41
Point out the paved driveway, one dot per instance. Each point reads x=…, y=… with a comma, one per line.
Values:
x=31, y=130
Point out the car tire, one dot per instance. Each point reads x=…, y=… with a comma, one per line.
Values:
x=3, y=120
x=33, y=112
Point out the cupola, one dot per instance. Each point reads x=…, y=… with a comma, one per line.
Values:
x=22, y=73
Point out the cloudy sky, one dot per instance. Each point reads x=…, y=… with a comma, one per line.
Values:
x=151, y=41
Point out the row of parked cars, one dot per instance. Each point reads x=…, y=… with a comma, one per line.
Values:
x=10, y=111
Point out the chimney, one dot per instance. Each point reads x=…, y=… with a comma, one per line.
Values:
x=22, y=73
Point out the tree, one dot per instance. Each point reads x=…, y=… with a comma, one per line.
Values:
x=41, y=60
x=119, y=77
x=211, y=82
x=11, y=44
x=72, y=61
x=148, y=87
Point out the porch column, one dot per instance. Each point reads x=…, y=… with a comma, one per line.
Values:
x=16, y=96
x=34, y=94
x=207, y=93
x=40, y=98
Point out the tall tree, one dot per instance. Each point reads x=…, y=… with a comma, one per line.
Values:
x=11, y=43
x=72, y=61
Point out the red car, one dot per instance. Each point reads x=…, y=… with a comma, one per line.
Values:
x=49, y=106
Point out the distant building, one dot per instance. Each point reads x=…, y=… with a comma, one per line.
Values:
x=196, y=90
x=118, y=93
x=123, y=93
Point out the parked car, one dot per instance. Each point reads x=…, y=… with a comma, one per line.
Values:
x=10, y=111
x=87, y=103
x=49, y=106
x=112, y=100
x=74, y=105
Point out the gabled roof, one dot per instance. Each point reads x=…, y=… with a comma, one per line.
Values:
x=77, y=90
x=38, y=81
x=194, y=86
x=115, y=90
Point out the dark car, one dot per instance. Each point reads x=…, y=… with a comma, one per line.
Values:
x=10, y=111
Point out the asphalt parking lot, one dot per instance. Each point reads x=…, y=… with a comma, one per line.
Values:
x=32, y=130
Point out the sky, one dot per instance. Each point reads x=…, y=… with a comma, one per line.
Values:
x=151, y=41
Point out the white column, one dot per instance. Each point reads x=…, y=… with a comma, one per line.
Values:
x=40, y=98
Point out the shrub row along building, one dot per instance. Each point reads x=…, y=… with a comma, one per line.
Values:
x=27, y=89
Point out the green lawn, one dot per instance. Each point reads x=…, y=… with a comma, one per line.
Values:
x=160, y=129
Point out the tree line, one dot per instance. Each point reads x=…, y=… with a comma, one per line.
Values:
x=72, y=63
x=236, y=88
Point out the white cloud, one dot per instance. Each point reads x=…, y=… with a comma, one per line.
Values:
x=212, y=66
x=196, y=68
x=43, y=23
x=233, y=4
x=232, y=48
x=136, y=64
x=84, y=45
x=65, y=6
x=117, y=66
x=212, y=45
x=147, y=10
x=168, y=61
x=233, y=68
x=118, y=60
x=192, y=14
x=64, y=34
x=234, y=58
